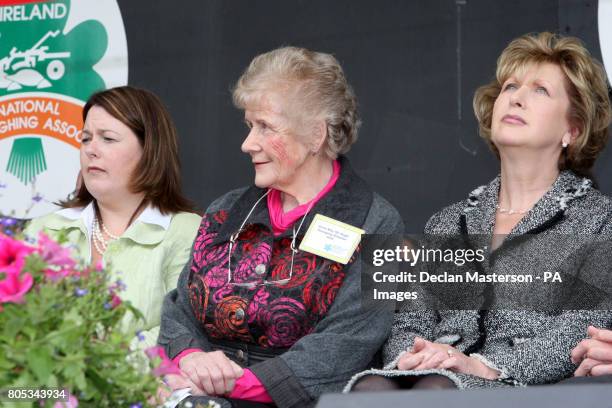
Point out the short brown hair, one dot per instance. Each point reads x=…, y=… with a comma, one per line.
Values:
x=158, y=173
x=587, y=89
x=321, y=84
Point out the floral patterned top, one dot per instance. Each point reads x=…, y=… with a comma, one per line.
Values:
x=267, y=315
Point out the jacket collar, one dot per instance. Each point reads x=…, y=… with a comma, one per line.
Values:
x=480, y=209
x=148, y=228
x=348, y=201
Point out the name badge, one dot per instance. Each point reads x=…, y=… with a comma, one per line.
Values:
x=331, y=239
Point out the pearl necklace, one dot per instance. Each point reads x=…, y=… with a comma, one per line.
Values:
x=510, y=211
x=100, y=243
x=108, y=232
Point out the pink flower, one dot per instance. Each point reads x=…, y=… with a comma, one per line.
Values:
x=115, y=300
x=112, y=290
x=13, y=287
x=52, y=252
x=166, y=366
x=72, y=402
x=12, y=254
x=57, y=257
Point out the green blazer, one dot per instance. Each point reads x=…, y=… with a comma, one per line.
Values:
x=148, y=257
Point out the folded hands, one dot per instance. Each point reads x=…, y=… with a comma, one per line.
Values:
x=426, y=355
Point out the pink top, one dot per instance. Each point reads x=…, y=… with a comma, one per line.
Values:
x=248, y=387
x=282, y=220
x=183, y=353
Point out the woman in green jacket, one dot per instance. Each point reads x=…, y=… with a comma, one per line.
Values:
x=128, y=211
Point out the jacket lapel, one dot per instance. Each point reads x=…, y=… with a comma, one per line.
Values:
x=480, y=210
x=551, y=207
x=349, y=202
x=479, y=213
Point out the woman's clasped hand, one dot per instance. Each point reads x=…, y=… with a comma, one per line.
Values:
x=204, y=373
x=426, y=355
x=594, y=355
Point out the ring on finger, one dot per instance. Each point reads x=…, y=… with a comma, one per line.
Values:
x=450, y=352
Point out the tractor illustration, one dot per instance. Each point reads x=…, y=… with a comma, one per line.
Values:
x=19, y=68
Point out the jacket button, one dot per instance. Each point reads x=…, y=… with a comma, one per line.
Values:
x=240, y=355
x=260, y=269
x=240, y=314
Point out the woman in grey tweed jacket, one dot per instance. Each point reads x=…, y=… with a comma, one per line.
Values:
x=545, y=116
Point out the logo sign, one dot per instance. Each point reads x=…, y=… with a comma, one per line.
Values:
x=53, y=56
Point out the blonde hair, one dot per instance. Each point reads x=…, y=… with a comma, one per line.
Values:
x=318, y=82
x=586, y=85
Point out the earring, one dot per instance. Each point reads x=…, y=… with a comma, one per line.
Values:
x=564, y=144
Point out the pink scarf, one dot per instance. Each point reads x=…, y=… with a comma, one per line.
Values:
x=281, y=220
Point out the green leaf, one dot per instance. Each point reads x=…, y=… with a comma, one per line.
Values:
x=13, y=326
x=52, y=382
x=5, y=364
x=99, y=382
x=40, y=362
x=74, y=371
x=34, y=263
x=74, y=316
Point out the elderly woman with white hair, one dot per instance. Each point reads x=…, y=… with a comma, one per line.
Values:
x=259, y=315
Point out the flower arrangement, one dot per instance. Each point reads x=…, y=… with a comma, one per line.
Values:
x=59, y=328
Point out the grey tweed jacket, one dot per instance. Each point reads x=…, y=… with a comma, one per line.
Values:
x=526, y=346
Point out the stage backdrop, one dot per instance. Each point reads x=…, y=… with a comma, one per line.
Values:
x=414, y=66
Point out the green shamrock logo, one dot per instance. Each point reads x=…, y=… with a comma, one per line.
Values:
x=36, y=55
